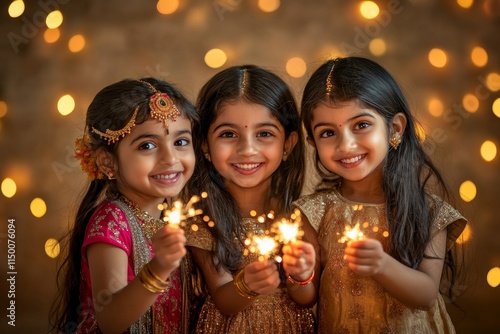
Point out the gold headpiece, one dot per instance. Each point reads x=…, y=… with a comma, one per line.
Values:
x=244, y=81
x=329, y=84
x=161, y=106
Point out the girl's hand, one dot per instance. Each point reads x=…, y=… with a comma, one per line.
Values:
x=365, y=257
x=168, y=244
x=262, y=277
x=299, y=259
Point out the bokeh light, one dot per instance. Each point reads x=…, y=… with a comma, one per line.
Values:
x=52, y=248
x=465, y=236
x=435, y=107
x=465, y=3
x=16, y=8
x=369, y=9
x=3, y=109
x=495, y=107
x=377, y=47
x=468, y=191
x=438, y=58
x=493, y=81
x=419, y=129
x=268, y=6
x=66, y=105
x=470, y=103
x=166, y=7
x=488, y=150
x=296, y=67
x=8, y=187
x=38, y=207
x=479, y=56
x=215, y=58
x=51, y=35
x=54, y=19
x=76, y=43
x=493, y=277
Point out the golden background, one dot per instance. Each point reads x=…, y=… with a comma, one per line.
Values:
x=132, y=39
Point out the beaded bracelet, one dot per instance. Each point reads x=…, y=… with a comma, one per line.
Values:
x=151, y=281
x=242, y=288
x=307, y=281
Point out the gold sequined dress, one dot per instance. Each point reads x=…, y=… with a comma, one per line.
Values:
x=349, y=303
x=274, y=313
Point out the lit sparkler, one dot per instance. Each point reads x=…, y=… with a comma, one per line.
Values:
x=178, y=213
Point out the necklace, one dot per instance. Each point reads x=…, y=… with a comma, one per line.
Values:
x=149, y=223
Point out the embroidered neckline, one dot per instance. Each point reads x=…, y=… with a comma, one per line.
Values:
x=149, y=224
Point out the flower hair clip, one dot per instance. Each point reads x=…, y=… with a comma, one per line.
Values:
x=84, y=153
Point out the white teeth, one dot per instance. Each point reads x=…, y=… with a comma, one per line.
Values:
x=351, y=160
x=165, y=177
x=247, y=166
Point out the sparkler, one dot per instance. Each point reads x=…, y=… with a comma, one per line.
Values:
x=288, y=230
x=177, y=215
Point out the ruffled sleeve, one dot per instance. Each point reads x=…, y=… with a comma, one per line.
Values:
x=198, y=235
x=108, y=225
x=448, y=217
x=313, y=207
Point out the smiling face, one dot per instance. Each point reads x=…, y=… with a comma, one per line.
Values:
x=351, y=140
x=246, y=145
x=152, y=165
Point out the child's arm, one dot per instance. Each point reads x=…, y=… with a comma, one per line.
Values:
x=260, y=277
x=415, y=288
x=301, y=262
x=118, y=304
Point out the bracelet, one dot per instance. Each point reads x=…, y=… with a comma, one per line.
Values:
x=242, y=288
x=307, y=281
x=151, y=281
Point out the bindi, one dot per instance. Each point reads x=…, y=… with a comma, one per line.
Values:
x=246, y=126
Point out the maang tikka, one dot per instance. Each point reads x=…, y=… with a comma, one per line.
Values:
x=161, y=108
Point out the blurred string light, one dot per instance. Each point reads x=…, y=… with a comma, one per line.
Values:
x=16, y=8
x=296, y=67
x=470, y=103
x=495, y=107
x=167, y=7
x=465, y=236
x=465, y=3
x=52, y=248
x=369, y=10
x=215, y=58
x=76, y=43
x=54, y=19
x=488, y=150
x=269, y=6
x=377, y=47
x=479, y=56
x=38, y=207
x=435, y=107
x=51, y=35
x=3, y=109
x=66, y=105
x=421, y=135
x=9, y=187
x=493, y=277
x=438, y=58
x=493, y=81
x=468, y=191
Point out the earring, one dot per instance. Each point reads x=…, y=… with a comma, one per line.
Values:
x=207, y=156
x=395, y=141
x=285, y=155
x=111, y=175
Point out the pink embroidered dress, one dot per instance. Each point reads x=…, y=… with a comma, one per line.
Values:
x=114, y=223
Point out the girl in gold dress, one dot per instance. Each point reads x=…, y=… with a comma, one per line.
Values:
x=250, y=159
x=387, y=279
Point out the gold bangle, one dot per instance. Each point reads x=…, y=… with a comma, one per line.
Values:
x=151, y=281
x=242, y=288
x=307, y=281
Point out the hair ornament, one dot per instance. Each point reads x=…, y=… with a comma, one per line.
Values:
x=243, y=81
x=329, y=84
x=113, y=136
x=86, y=155
x=161, y=106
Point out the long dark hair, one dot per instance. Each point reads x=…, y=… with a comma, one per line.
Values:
x=252, y=84
x=409, y=176
x=112, y=108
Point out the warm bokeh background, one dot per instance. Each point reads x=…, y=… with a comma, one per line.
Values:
x=445, y=54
